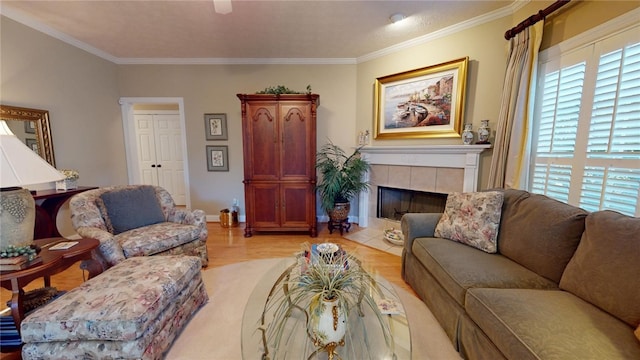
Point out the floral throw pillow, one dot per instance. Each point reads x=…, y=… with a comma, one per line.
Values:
x=472, y=219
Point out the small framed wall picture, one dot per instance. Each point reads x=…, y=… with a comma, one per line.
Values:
x=30, y=127
x=217, y=158
x=215, y=126
x=32, y=144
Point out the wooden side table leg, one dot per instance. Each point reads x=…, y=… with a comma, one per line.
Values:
x=17, y=309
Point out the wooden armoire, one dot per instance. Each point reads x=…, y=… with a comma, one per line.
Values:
x=279, y=144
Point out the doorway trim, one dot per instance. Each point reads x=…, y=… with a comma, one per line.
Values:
x=128, y=127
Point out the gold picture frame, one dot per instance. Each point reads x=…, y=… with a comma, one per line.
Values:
x=421, y=103
x=32, y=118
x=217, y=158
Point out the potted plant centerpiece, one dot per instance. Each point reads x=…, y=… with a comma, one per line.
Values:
x=327, y=285
x=342, y=178
x=333, y=284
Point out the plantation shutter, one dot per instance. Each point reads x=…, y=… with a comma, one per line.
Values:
x=587, y=125
x=614, y=134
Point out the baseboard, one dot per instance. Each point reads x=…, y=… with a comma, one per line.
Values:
x=243, y=218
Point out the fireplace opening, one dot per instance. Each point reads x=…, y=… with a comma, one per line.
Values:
x=393, y=202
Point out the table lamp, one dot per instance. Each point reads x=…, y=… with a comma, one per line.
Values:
x=19, y=166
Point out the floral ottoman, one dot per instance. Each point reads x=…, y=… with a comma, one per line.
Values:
x=134, y=310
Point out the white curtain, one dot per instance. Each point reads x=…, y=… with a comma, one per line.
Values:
x=510, y=161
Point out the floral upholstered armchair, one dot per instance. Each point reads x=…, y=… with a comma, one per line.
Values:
x=138, y=220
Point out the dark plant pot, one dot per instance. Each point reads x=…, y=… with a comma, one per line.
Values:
x=340, y=212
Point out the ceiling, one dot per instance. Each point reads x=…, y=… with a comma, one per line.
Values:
x=187, y=30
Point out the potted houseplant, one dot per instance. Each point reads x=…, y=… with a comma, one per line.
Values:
x=326, y=284
x=281, y=89
x=342, y=178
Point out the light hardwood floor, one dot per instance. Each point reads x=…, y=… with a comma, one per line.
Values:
x=228, y=246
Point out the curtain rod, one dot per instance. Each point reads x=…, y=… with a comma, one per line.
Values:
x=540, y=15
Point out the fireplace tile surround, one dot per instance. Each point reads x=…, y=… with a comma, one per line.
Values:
x=433, y=168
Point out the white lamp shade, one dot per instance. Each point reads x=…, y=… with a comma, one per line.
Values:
x=222, y=6
x=19, y=165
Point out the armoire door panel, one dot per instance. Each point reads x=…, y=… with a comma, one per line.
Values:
x=265, y=198
x=295, y=207
x=262, y=127
x=296, y=123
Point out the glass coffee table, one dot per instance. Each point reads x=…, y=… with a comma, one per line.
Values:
x=376, y=332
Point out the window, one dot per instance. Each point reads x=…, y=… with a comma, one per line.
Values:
x=586, y=131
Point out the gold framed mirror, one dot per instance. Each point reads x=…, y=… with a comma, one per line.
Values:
x=32, y=127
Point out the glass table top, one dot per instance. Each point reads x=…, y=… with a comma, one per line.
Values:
x=377, y=329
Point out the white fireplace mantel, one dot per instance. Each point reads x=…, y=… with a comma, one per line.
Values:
x=465, y=157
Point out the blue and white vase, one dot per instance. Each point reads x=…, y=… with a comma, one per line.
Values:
x=467, y=135
x=484, y=132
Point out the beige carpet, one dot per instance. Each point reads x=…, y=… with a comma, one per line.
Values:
x=215, y=330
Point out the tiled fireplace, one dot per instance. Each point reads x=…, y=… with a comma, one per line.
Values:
x=430, y=168
x=393, y=203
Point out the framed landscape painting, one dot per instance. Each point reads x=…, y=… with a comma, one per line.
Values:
x=422, y=103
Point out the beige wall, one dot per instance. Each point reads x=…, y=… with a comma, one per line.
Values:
x=213, y=89
x=486, y=49
x=81, y=91
x=574, y=18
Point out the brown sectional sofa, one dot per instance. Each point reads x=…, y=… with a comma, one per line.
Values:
x=565, y=284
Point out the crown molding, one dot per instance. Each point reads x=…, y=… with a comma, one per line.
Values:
x=473, y=22
x=29, y=21
x=236, y=61
x=34, y=24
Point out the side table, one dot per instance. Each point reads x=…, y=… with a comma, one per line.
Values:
x=53, y=262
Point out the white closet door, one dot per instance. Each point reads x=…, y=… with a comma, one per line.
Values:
x=160, y=153
x=169, y=166
x=146, y=149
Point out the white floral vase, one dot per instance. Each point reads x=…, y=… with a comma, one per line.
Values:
x=328, y=324
x=467, y=135
x=484, y=132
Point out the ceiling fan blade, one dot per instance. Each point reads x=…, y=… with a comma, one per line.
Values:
x=222, y=6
